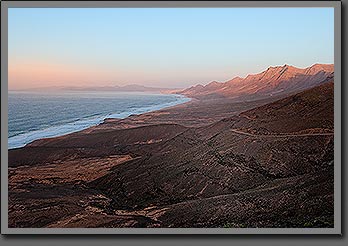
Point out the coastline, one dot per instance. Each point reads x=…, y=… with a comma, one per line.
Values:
x=56, y=131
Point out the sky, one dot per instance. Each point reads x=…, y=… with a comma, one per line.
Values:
x=161, y=47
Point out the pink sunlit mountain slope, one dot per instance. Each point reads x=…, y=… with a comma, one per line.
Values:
x=273, y=81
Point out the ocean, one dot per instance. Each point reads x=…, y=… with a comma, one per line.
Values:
x=36, y=115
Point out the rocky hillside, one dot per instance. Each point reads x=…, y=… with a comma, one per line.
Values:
x=270, y=166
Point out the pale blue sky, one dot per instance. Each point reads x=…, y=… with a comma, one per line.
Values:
x=174, y=47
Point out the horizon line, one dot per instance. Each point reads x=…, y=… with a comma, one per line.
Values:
x=168, y=88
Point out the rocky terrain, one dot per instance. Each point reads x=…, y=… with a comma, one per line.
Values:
x=217, y=162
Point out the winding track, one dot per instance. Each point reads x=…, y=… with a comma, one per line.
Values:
x=281, y=135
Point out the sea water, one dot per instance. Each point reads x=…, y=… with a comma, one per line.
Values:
x=36, y=115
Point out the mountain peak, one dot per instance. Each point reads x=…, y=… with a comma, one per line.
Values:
x=317, y=67
x=214, y=82
x=274, y=68
x=279, y=67
x=321, y=65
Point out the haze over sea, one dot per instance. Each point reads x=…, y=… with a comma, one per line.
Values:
x=36, y=115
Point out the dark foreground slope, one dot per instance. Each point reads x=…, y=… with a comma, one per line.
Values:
x=270, y=166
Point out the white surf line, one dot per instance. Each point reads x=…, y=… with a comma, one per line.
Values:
x=23, y=139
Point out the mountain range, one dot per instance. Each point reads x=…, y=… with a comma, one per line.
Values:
x=125, y=88
x=275, y=81
x=278, y=80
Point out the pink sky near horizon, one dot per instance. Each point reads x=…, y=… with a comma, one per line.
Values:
x=27, y=75
x=37, y=74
